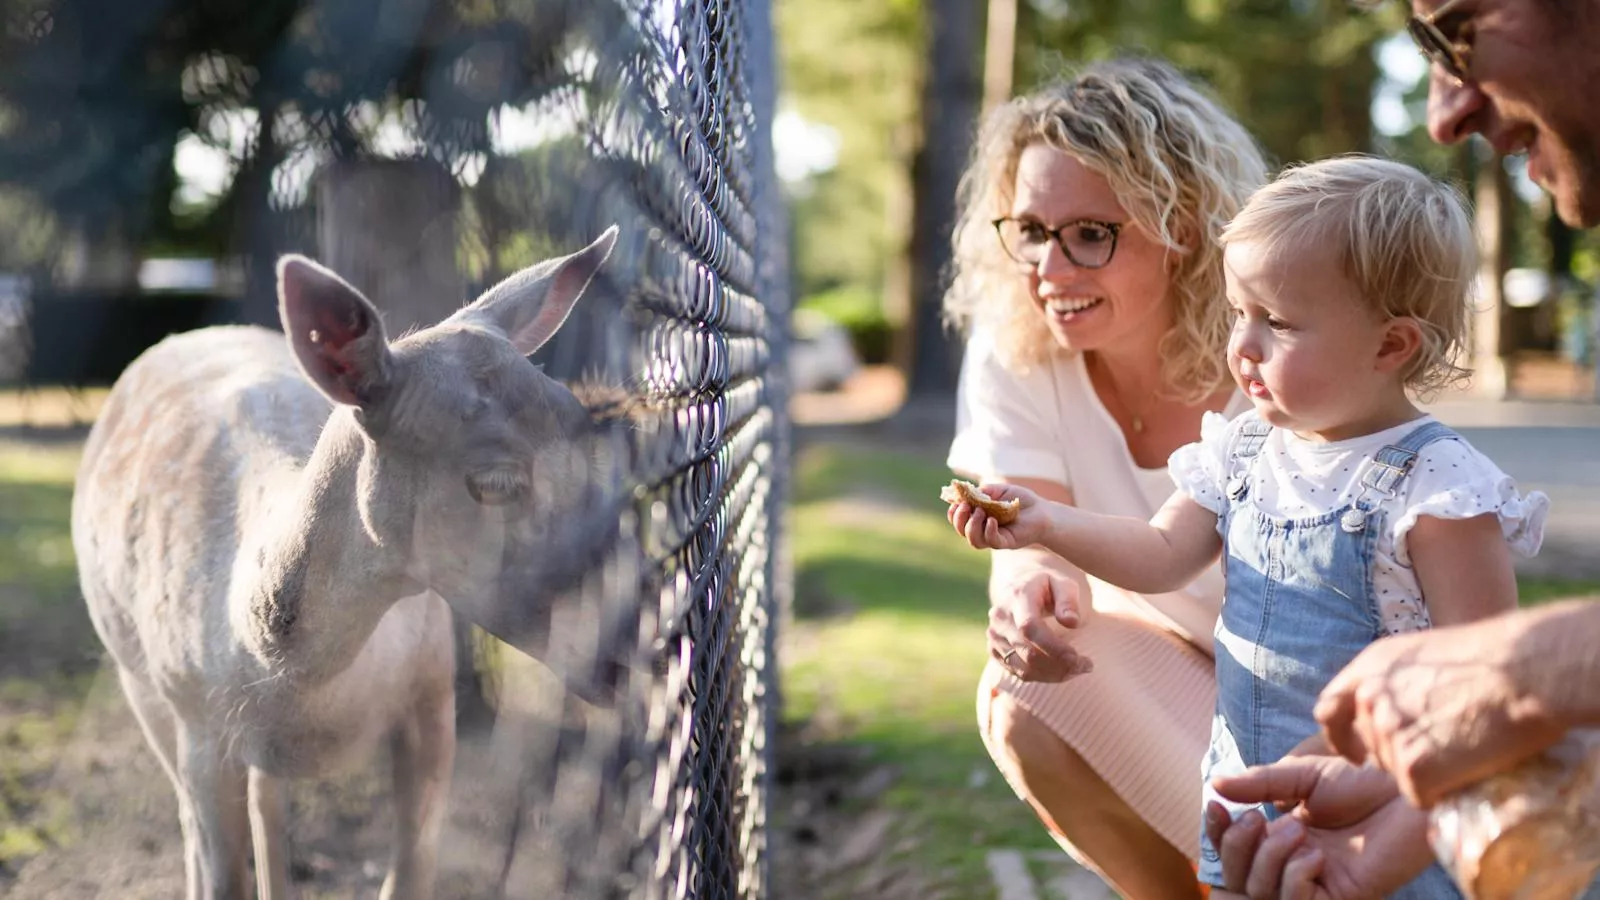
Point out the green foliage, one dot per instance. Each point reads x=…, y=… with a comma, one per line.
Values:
x=1298, y=75
x=852, y=67
x=860, y=312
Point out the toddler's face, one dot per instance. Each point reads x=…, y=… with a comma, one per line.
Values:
x=1305, y=347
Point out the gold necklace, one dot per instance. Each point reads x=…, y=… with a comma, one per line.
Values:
x=1135, y=419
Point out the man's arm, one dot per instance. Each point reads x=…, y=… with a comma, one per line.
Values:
x=1448, y=707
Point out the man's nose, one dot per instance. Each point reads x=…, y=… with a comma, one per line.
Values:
x=1452, y=107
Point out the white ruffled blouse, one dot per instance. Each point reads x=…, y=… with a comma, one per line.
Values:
x=1295, y=478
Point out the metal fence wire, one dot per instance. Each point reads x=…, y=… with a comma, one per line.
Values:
x=424, y=149
x=683, y=783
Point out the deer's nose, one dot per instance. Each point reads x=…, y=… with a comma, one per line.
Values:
x=1453, y=107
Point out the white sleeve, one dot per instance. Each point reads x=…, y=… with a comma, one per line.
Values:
x=1006, y=424
x=1451, y=480
x=1200, y=470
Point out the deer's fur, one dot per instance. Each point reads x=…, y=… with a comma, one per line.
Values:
x=268, y=531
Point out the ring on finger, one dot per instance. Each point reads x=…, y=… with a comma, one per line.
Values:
x=1006, y=657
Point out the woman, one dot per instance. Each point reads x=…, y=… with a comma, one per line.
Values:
x=1088, y=277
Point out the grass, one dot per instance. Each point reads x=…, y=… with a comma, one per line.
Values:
x=48, y=650
x=886, y=651
x=887, y=647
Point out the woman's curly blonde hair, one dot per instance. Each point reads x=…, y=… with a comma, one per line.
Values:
x=1179, y=165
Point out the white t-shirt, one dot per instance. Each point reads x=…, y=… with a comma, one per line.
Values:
x=1293, y=478
x=1049, y=424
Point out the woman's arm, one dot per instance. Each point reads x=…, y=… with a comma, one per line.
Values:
x=1463, y=567
x=1036, y=598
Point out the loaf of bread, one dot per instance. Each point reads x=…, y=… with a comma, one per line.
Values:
x=1531, y=833
x=958, y=491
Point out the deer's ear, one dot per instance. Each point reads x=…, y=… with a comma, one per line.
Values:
x=530, y=306
x=336, y=333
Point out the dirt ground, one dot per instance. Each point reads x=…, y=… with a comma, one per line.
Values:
x=112, y=817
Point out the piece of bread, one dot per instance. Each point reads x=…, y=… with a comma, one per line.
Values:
x=958, y=491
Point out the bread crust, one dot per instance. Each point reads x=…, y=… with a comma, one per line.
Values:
x=1002, y=511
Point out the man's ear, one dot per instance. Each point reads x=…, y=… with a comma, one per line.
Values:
x=1402, y=342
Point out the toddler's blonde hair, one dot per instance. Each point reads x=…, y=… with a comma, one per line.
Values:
x=1178, y=163
x=1404, y=240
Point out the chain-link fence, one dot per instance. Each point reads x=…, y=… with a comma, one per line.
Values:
x=424, y=150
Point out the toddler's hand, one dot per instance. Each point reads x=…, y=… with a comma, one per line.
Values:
x=983, y=532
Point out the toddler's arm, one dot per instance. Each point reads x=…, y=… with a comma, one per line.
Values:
x=1160, y=555
x=1463, y=567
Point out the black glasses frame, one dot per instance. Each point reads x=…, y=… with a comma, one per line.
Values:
x=1435, y=45
x=1055, y=235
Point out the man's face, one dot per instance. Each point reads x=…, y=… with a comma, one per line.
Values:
x=1532, y=68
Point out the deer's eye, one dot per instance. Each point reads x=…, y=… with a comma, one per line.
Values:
x=497, y=487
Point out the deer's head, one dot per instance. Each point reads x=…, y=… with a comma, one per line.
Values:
x=474, y=466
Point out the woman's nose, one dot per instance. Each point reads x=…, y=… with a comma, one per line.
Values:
x=1054, y=265
x=1452, y=107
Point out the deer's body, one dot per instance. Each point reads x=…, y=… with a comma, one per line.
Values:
x=265, y=529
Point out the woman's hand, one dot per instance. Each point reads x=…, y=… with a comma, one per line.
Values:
x=1031, y=616
x=1349, y=836
x=984, y=533
x=1438, y=709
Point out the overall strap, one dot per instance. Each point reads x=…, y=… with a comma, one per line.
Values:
x=1393, y=462
x=1390, y=466
x=1247, y=443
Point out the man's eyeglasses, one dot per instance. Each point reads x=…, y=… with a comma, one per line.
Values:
x=1447, y=54
x=1087, y=244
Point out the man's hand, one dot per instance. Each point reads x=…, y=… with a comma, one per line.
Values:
x=1348, y=834
x=1031, y=617
x=1438, y=709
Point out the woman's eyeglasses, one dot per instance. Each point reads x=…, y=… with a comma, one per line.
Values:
x=1440, y=49
x=1086, y=243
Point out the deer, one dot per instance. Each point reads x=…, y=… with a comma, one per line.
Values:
x=271, y=531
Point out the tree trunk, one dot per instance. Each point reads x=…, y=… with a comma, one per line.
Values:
x=999, y=53
x=951, y=94
x=389, y=227
x=1491, y=360
x=100, y=256
x=259, y=231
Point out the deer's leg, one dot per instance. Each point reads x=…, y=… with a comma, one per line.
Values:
x=269, y=836
x=160, y=728
x=217, y=826
x=424, y=750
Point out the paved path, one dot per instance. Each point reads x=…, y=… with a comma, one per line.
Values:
x=1552, y=447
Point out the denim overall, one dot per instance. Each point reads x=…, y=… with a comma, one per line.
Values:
x=1299, y=606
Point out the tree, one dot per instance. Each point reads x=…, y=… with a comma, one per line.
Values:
x=952, y=89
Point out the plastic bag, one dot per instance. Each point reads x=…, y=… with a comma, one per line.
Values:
x=1532, y=833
